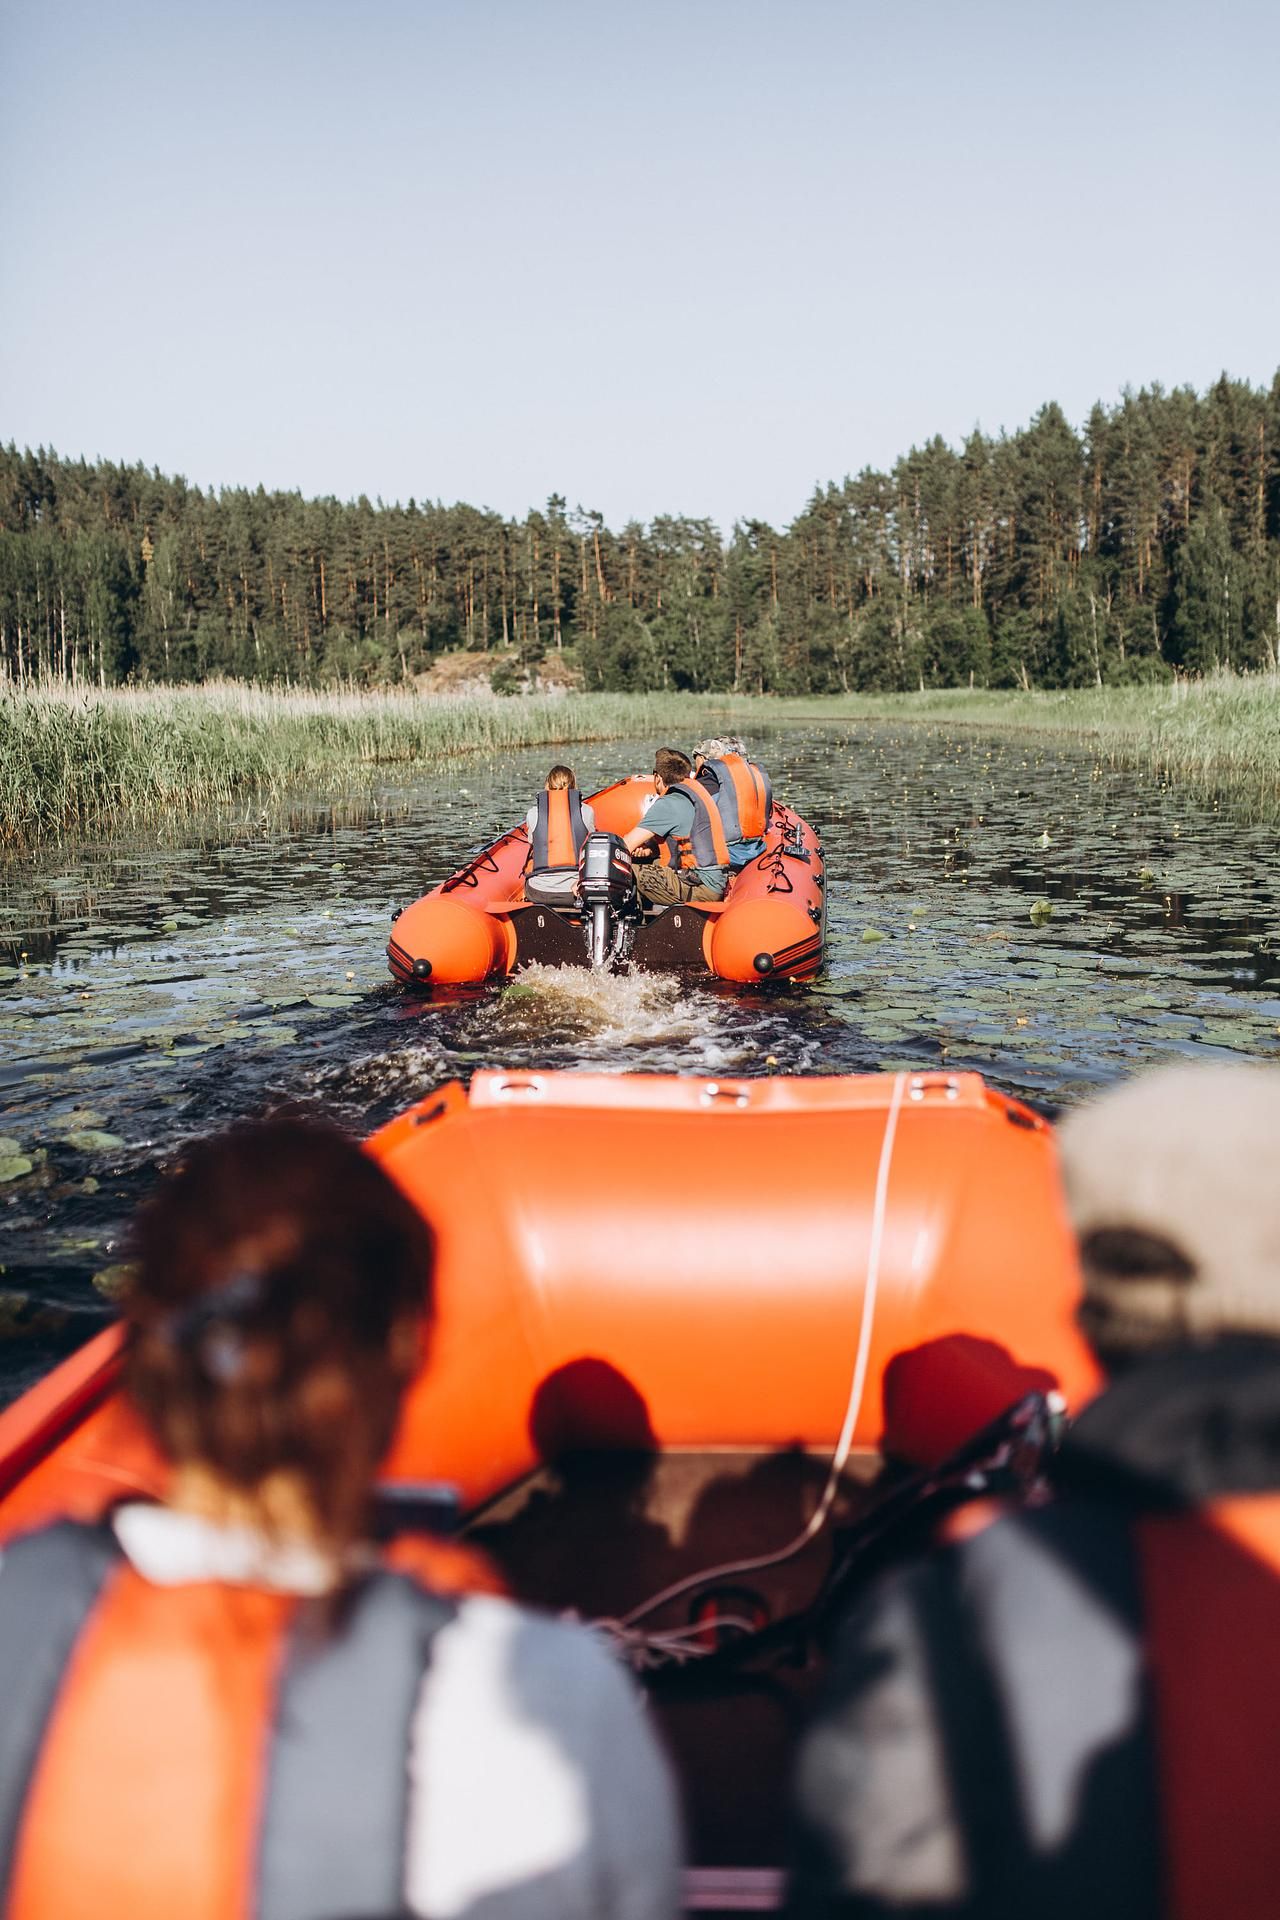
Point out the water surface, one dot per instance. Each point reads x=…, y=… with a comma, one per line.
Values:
x=1018, y=908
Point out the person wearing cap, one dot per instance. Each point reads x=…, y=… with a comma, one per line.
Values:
x=742, y=791
x=228, y=1701
x=1076, y=1710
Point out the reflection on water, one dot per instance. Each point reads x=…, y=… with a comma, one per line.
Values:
x=1020, y=909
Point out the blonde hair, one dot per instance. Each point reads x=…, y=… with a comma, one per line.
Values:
x=561, y=777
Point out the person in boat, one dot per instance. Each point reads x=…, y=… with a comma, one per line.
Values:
x=558, y=823
x=742, y=791
x=684, y=830
x=1076, y=1710
x=229, y=1701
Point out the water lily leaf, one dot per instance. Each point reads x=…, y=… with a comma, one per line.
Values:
x=274, y=1036
x=1217, y=1034
x=9, y=1147
x=91, y=1141
x=1041, y=910
x=14, y=1166
x=115, y=1281
x=333, y=999
x=870, y=935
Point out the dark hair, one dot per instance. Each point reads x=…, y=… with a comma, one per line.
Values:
x=282, y=1284
x=670, y=765
x=561, y=777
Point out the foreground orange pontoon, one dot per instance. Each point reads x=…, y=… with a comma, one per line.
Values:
x=477, y=925
x=702, y=1349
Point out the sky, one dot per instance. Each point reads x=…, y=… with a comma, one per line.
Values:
x=658, y=256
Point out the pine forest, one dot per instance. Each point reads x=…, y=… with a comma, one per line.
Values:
x=1145, y=545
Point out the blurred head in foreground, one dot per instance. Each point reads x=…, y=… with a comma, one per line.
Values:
x=1172, y=1190
x=283, y=1287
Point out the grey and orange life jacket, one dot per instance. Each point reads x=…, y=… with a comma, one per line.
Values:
x=744, y=796
x=1102, y=1669
x=200, y=1749
x=1211, y=1601
x=707, y=845
x=560, y=833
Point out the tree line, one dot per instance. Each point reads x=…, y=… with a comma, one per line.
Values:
x=1144, y=544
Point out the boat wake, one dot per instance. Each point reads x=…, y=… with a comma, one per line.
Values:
x=601, y=1016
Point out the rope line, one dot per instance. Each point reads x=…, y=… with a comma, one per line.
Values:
x=844, y=1444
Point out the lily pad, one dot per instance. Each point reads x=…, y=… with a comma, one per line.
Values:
x=14, y=1166
x=115, y=1281
x=91, y=1141
x=9, y=1146
x=333, y=999
x=264, y=1036
x=870, y=935
x=1041, y=910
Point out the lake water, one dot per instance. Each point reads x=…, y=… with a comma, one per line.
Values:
x=1013, y=907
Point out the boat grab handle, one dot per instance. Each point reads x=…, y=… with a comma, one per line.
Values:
x=713, y=1094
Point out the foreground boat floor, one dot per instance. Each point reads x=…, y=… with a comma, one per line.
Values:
x=602, y=1533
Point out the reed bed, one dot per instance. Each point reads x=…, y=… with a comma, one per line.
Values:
x=82, y=762
x=77, y=763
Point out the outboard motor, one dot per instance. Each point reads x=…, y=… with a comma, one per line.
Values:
x=607, y=891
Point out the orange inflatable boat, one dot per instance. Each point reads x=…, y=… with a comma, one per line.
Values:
x=694, y=1339
x=477, y=925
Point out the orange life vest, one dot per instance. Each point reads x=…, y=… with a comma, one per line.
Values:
x=743, y=796
x=706, y=845
x=199, y=1749
x=560, y=833
x=1211, y=1605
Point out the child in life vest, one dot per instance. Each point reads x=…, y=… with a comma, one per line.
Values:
x=558, y=823
x=229, y=1701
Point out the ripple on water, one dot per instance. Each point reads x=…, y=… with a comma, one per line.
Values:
x=154, y=993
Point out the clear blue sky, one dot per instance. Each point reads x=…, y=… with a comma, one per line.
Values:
x=664, y=256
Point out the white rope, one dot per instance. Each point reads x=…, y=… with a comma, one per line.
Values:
x=844, y=1444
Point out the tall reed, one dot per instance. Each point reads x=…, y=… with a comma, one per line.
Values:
x=88, y=761
x=77, y=762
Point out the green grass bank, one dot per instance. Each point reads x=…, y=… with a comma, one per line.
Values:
x=75, y=764
x=80, y=763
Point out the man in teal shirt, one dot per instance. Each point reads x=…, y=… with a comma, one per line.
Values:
x=685, y=814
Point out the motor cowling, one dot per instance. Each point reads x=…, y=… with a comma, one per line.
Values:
x=605, y=873
x=608, y=898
